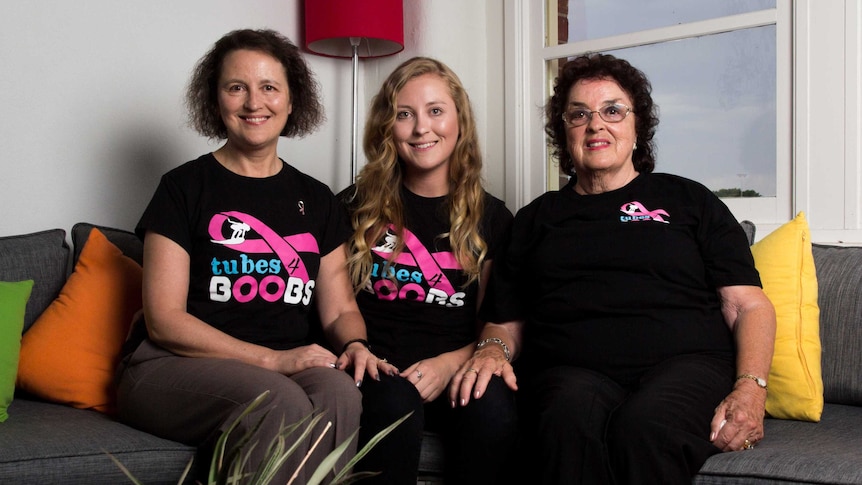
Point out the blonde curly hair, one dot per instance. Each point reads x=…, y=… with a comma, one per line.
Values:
x=377, y=203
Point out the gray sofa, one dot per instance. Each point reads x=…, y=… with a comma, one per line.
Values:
x=45, y=443
x=830, y=451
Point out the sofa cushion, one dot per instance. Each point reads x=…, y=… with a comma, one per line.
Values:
x=70, y=353
x=750, y=230
x=786, y=268
x=127, y=241
x=839, y=274
x=13, y=301
x=42, y=257
x=795, y=452
x=45, y=443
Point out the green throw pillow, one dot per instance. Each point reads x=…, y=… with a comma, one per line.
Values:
x=13, y=300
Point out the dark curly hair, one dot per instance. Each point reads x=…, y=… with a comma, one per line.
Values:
x=630, y=79
x=202, y=92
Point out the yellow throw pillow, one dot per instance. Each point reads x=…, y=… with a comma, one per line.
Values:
x=786, y=268
x=70, y=352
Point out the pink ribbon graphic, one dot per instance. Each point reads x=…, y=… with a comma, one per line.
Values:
x=287, y=249
x=429, y=264
x=636, y=209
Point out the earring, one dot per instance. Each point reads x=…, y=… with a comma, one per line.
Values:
x=635, y=146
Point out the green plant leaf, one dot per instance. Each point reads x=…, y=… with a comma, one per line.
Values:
x=342, y=476
x=368, y=446
x=277, y=455
x=217, y=462
x=228, y=466
x=355, y=477
x=124, y=469
x=328, y=463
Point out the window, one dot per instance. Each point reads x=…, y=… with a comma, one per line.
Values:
x=721, y=77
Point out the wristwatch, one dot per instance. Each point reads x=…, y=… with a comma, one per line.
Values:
x=760, y=381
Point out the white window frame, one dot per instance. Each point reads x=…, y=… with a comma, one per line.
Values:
x=527, y=152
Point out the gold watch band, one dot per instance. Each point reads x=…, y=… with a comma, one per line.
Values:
x=760, y=381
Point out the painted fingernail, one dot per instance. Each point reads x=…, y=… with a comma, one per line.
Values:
x=359, y=383
x=463, y=402
x=332, y=365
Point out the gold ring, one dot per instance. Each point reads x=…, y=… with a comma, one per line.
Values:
x=472, y=370
x=383, y=360
x=747, y=445
x=419, y=373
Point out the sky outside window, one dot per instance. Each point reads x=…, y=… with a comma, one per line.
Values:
x=716, y=93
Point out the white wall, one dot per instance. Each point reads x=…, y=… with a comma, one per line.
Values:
x=91, y=94
x=467, y=36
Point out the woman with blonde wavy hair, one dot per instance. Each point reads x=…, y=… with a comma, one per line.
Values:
x=425, y=232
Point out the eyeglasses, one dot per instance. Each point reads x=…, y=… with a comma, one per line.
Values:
x=612, y=113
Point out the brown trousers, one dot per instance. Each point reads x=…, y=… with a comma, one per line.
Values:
x=193, y=400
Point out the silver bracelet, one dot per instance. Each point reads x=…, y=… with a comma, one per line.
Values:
x=495, y=340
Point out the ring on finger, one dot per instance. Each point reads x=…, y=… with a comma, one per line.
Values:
x=747, y=445
x=382, y=360
x=418, y=373
x=471, y=370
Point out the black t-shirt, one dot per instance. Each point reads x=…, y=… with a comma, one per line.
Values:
x=254, y=245
x=620, y=281
x=418, y=306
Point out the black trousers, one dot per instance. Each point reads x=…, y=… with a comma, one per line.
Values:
x=581, y=427
x=479, y=438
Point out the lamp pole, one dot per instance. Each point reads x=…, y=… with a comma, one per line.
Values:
x=338, y=28
x=354, y=42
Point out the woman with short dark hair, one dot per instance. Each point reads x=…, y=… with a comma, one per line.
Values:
x=237, y=244
x=631, y=300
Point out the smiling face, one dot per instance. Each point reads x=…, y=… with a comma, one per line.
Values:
x=599, y=148
x=254, y=99
x=426, y=128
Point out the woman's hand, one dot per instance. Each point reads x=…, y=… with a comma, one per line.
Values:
x=738, y=421
x=358, y=356
x=472, y=378
x=289, y=362
x=342, y=323
x=430, y=376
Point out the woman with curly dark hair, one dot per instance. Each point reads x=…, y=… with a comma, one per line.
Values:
x=631, y=300
x=236, y=245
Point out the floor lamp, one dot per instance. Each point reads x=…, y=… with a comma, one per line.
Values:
x=354, y=29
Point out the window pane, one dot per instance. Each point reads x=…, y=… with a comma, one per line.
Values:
x=579, y=20
x=716, y=98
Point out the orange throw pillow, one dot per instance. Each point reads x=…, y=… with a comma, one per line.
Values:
x=69, y=354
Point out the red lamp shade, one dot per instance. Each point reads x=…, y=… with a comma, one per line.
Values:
x=378, y=24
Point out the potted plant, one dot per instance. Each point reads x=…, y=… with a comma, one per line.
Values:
x=230, y=466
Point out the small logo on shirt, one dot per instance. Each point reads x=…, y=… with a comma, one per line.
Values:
x=389, y=242
x=635, y=211
x=238, y=231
